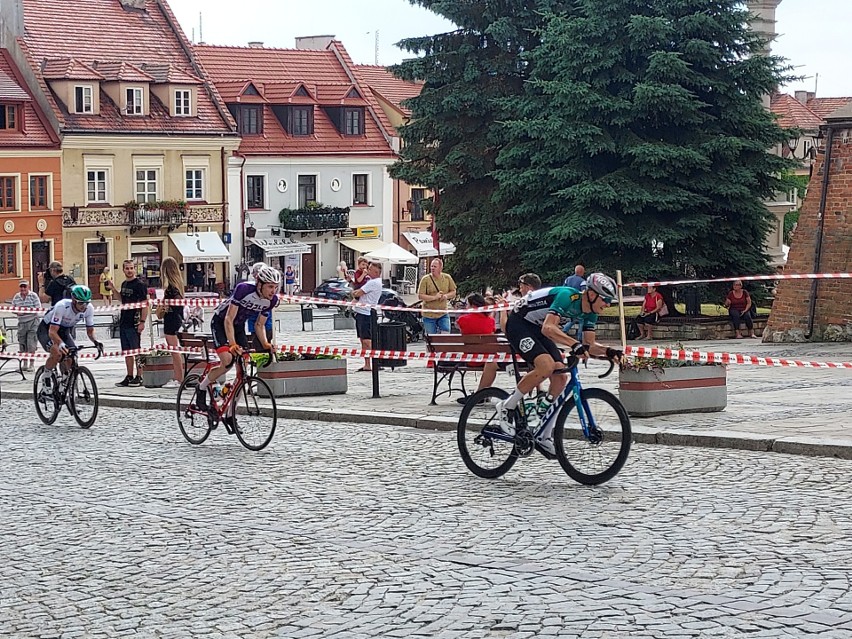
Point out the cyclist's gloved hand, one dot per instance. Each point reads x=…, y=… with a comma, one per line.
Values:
x=235, y=349
x=63, y=347
x=272, y=351
x=580, y=350
x=99, y=345
x=614, y=354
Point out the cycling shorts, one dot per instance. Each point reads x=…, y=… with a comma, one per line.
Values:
x=220, y=338
x=528, y=340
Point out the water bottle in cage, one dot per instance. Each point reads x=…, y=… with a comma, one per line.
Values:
x=216, y=390
x=223, y=393
x=531, y=411
x=545, y=401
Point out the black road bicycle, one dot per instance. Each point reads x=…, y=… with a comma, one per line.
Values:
x=74, y=386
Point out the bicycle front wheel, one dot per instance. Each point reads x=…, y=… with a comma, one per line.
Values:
x=598, y=457
x=83, y=397
x=193, y=423
x=482, y=450
x=253, y=424
x=46, y=402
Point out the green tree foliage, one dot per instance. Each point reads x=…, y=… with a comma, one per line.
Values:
x=454, y=136
x=640, y=142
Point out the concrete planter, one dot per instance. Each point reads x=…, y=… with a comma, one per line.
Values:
x=306, y=377
x=665, y=391
x=342, y=322
x=157, y=370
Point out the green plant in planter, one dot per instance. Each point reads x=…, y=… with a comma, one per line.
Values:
x=151, y=357
x=657, y=363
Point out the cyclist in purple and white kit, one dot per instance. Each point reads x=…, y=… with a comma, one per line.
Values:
x=229, y=324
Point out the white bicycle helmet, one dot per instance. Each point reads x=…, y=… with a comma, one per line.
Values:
x=603, y=285
x=256, y=267
x=267, y=274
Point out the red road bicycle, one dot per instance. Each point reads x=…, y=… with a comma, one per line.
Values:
x=247, y=410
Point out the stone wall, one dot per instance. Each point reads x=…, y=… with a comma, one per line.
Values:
x=833, y=311
x=682, y=331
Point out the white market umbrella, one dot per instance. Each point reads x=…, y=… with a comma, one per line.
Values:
x=392, y=253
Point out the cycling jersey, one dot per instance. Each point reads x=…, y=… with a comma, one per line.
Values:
x=563, y=301
x=64, y=315
x=247, y=301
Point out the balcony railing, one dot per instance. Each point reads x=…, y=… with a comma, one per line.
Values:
x=142, y=217
x=322, y=219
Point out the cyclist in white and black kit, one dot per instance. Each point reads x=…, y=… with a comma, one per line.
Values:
x=55, y=330
x=534, y=329
x=228, y=324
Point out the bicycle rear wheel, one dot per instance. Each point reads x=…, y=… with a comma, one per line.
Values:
x=46, y=403
x=484, y=454
x=194, y=424
x=598, y=458
x=253, y=424
x=83, y=397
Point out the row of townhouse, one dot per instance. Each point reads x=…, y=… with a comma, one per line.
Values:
x=120, y=139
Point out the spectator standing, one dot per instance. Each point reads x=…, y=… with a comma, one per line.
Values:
x=54, y=285
x=478, y=324
x=196, y=278
x=436, y=290
x=576, y=280
x=27, y=322
x=173, y=316
x=652, y=307
x=131, y=322
x=106, y=289
x=211, y=278
x=368, y=293
x=738, y=303
x=289, y=279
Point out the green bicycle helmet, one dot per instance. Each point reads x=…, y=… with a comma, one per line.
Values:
x=80, y=293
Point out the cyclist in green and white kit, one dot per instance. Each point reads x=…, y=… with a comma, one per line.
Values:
x=534, y=329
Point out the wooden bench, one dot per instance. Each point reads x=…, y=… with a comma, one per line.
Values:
x=6, y=358
x=194, y=340
x=468, y=345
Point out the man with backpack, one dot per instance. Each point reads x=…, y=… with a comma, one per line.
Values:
x=54, y=285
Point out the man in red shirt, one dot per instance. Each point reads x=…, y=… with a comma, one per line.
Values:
x=478, y=324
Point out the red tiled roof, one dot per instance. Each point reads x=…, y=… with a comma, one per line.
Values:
x=121, y=72
x=277, y=74
x=35, y=131
x=68, y=69
x=826, y=106
x=384, y=83
x=90, y=31
x=792, y=114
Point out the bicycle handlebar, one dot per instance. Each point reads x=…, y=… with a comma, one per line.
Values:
x=76, y=349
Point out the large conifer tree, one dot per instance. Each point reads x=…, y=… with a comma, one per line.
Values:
x=641, y=142
x=454, y=136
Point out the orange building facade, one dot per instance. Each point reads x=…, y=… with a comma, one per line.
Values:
x=30, y=184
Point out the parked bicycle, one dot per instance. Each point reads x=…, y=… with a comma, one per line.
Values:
x=590, y=453
x=238, y=408
x=74, y=386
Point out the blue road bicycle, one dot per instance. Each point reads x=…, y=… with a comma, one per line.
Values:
x=591, y=450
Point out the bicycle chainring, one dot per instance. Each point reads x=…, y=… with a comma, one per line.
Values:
x=524, y=443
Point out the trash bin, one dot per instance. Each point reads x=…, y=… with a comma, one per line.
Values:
x=307, y=317
x=690, y=299
x=390, y=336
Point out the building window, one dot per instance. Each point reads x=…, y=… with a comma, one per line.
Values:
x=307, y=190
x=302, y=121
x=83, y=102
x=38, y=193
x=359, y=188
x=134, y=102
x=8, y=116
x=417, y=196
x=96, y=186
x=9, y=260
x=353, y=121
x=195, y=184
x=250, y=121
x=183, y=102
x=146, y=185
x=8, y=195
x=255, y=191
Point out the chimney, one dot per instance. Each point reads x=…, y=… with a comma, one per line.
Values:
x=804, y=96
x=255, y=44
x=316, y=43
x=133, y=4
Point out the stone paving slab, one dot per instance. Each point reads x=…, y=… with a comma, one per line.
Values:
x=789, y=410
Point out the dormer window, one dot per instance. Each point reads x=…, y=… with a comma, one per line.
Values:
x=249, y=118
x=183, y=102
x=302, y=121
x=8, y=117
x=135, y=104
x=353, y=121
x=83, y=99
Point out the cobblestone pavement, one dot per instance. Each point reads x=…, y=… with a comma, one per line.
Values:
x=338, y=530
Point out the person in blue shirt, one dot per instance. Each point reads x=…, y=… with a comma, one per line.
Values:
x=575, y=281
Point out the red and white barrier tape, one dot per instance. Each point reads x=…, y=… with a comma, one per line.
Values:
x=750, y=278
x=483, y=358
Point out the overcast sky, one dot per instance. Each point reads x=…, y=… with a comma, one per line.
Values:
x=814, y=35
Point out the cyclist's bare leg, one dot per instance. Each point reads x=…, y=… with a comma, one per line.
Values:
x=53, y=358
x=557, y=383
x=544, y=365
x=225, y=360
